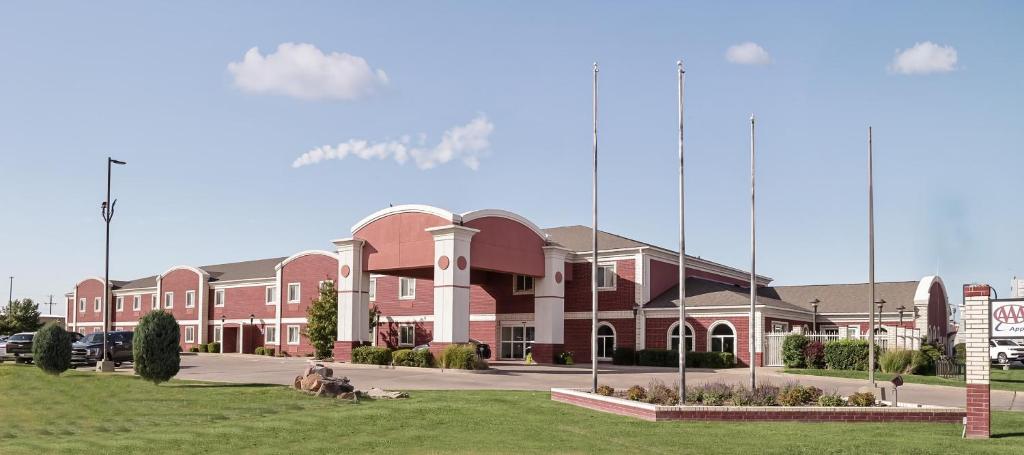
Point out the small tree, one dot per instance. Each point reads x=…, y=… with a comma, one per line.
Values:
x=322, y=317
x=793, y=350
x=51, y=349
x=21, y=316
x=155, y=347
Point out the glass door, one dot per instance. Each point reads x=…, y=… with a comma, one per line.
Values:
x=516, y=342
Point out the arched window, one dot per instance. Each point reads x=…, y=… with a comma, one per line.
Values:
x=673, y=337
x=722, y=338
x=605, y=341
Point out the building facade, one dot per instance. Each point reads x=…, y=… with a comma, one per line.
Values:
x=436, y=277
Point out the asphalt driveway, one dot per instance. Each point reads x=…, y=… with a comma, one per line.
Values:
x=240, y=368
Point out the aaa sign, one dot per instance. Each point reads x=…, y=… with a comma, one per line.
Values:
x=1007, y=318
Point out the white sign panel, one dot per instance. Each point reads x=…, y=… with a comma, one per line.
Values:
x=1008, y=319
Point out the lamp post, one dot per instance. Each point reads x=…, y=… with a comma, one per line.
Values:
x=903, y=341
x=878, y=304
x=107, y=209
x=10, y=292
x=252, y=317
x=814, y=321
x=222, y=319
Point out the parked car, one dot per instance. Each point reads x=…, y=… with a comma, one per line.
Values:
x=482, y=349
x=1005, y=351
x=3, y=347
x=19, y=347
x=89, y=349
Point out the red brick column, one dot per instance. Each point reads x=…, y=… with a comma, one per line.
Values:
x=976, y=321
x=436, y=347
x=545, y=352
x=343, y=350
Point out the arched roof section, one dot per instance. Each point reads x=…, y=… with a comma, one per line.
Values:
x=468, y=217
x=303, y=254
x=92, y=278
x=931, y=294
x=396, y=238
x=195, y=270
x=407, y=208
x=507, y=242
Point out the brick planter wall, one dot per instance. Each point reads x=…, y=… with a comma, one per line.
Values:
x=654, y=413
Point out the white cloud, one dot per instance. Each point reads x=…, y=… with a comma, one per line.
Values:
x=924, y=58
x=303, y=71
x=466, y=143
x=748, y=53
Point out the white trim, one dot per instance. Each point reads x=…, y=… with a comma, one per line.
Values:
x=190, y=298
x=154, y=301
x=97, y=304
x=372, y=290
x=621, y=314
x=488, y=317
x=134, y=291
x=498, y=213
x=266, y=291
x=735, y=336
x=615, y=275
x=693, y=335
x=408, y=208
x=83, y=304
x=267, y=332
x=615, y=337
x=278, y=309
x=293, y=320
x=169, y=302
x=298, y=293
x=137, y=302
x=192, y=329
x=406, y=297
x=195, y=270
x=298, y=334
x=222, y=294
x=246, y=283
x=218, y=334
x=300, y=254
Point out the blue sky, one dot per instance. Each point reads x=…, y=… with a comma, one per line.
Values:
x=210, y=177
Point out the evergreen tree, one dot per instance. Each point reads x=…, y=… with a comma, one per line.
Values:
x=51, y=349
x=322, y=321
x=155, y=347
x=21, y=316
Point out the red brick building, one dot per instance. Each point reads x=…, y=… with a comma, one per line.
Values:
x=493, y=276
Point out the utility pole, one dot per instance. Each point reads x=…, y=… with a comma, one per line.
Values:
x=10, y=293
x=51, y=304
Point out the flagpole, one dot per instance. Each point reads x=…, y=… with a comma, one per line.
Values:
x=871, y=262
x=682, y=247
x=593, y=265
x=751, y=329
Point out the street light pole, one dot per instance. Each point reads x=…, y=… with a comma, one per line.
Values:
x=871, y=263
x=10, y=293
x=107, y=207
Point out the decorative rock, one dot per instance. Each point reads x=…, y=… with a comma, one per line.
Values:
x=388, y=394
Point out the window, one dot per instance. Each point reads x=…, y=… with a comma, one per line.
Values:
x=673, y=338
x=270, y=335
x=137, y=303
x=780, y=327
x=120, y=303
x=293, y=334
x=81, y=305
x=373, y=289
x=406, y=335
x=406, y=288
x=218, y=297
x=293, y=293
x=168, y=300
x=516, y=341
x=853, y=332
x=154, y=302
x=606, y=277
x=97, y=303
x=218, y=334
x=190, y=299
x=190, y=334
x=271, y=295
x=605, y=341
x=723, y=338
x=522, y=284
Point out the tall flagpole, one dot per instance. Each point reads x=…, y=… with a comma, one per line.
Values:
x=682, y=247
x=751, y=332
x=871, y=262
x=593, y=265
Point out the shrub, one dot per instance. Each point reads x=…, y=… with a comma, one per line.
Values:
x=793, y=350
x=155, y=347
x=707, y=359
x=624, y=356
x=814, y=355
x=832, y=400
x=409, y=358
x=657, y=358
x=260, y=350
x=742, y=396
x=461, y=357
x=659, y=393
x=51, y=349
x=371, y=355
x=895, y=361
x=931, y=354
x=862, y=399
x=716, y=394
x=846, y=355
x=605, y=390
x=213, y=347
x=636, y=393
x=765, y=395
x=960, y=352
x=694, y=395
x=268, y=351
x=564, y=358
x=798, y=395
x=921, y=363
x=193, y=349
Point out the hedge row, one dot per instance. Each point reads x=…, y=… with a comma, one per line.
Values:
x=670, y=358
x=409, y=358
x=371, y=355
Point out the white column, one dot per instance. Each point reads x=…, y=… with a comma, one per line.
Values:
x=549, y=298
x=451, y=282
x=353, y=297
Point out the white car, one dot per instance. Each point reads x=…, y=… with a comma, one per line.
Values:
x=1005, y=351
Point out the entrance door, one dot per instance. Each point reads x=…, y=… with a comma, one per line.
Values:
x=230, y=339
x=516, y=342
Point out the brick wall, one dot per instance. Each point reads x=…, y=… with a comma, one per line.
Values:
x=577, y=289
x=976, y=325
x=90, y=290
x=179, y=282
x=657, y=334
x=308, y=271
x=578, y=331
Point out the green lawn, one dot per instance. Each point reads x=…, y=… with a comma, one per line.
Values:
x=1012, y=380
x=81, y=412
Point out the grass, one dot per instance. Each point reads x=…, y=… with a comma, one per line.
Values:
x=1012, y=380
x=82, y=412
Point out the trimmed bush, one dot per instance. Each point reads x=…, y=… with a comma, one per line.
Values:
x=862, y=399
x=51, y=349
x=155, y=347
x=624, y=356
x=260, y=350
x=896, y=361
x=213, y=347
x=196, y=349
x=814, y=355
x=268, y=351
x=832, y=400
x=371, y=355
x=604, y=390
x=793, y=350
x=931, y=355
x=665, y=358
x=636, y=393
x=921, y=363
x=659, y=393
x=960, y=352
x=410, y=358
x=846, y=355
x=460, y=357
x=798, y=395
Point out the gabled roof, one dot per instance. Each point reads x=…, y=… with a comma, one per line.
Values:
x=578, y=239
x=141, y=283
x=705, y=293
x=259, y=268
x=848, y=298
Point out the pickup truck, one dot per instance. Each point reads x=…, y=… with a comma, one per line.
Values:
x=89, y=350
x=1005, y=351
x=19, y=347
